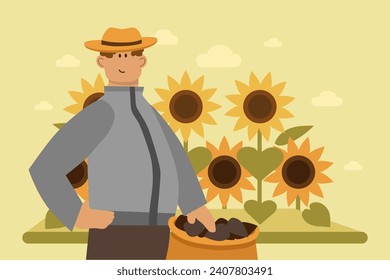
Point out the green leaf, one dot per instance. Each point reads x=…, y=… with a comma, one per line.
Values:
x=199, y=157
x=317, y=215
x=260, y=211
x=59, y=125
x=260, y=163
x=293, y=133
x=51, y=221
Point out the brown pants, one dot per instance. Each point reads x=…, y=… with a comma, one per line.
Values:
x=128, y=242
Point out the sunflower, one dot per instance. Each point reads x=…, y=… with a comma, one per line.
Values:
x=259, y=106
x=78, y=178
x=186, y=105
x=300, y=173
x=89, y=95
x=225, y=176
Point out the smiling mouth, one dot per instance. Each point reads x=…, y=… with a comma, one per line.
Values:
x=121, y=71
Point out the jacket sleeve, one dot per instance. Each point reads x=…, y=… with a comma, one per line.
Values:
x=68, y=148
x=191, y=195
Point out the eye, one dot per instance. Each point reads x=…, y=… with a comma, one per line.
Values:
x=125, y=54
x=120, y=55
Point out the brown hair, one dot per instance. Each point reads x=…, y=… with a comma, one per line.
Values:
x=133, y=53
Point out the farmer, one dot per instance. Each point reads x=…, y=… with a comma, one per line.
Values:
x=138, y=171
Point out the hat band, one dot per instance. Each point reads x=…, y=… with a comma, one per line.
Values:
x=117, y=44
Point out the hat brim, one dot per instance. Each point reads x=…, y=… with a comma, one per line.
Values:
x=96, y=45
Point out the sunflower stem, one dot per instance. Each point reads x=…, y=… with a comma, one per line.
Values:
x=259, y=141
x=185, y=144
x=298, y=203
x=259, y=182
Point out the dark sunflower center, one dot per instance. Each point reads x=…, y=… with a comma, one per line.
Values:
x=186, y=106
x=79, y=175
x=298, y=172
x=224, y=172
x=260, y=106
x=92, y=98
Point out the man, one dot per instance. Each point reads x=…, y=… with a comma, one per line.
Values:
x=138, y=171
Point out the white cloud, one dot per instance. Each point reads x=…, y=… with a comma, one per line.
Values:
x=273, y=43
x=353, y=166
x=165, y=37
x=218, y=56
x=327, y=99
x=43, y=106
x=67, y=60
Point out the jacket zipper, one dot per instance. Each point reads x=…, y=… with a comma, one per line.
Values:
x=153, y=210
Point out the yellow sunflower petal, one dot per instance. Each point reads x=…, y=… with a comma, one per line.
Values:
x=277, y=89
x=316, y=190
x=77, y=96
x=323, y=165
x=211, y=194
x=277, y=124
x=185, y=132
x=198, y=128
x=305, y=147
x=291, y=196
x=237, y=194
x=175, y=128
x=273, y=178
x=246, y=184
x=87, y=87
x=205, y=179
x=266, y=131
x=304, y=196
x=243, y=88
x=213, y=150
x=185, y=80
x=224, y=197
x=83, y=191
x=206, y=94
x=236, y=148
x=160, y=106
x=241, y=123
x=234, y=98
x=284, y=154
x=170, y=120
x=207, y=118
x=198, y=84
x=266, y=84
x=164, y=94
x=316, y=154
x=323, y=179
x=224, y=146
x=234, y=112
x=252, y=131
x=173, y=84
x=244, y=173
x=280, y=189
x=284, y=114
x=292, y=147
x=254, y=82
x=99, y=84
x=284, y=100
x=74, y=109
x=211, y=106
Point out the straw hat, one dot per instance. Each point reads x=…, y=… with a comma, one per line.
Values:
x=120, y=40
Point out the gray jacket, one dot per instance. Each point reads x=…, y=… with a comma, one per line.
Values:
x=136, y=165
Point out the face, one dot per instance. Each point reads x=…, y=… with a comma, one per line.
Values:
x=122, y=68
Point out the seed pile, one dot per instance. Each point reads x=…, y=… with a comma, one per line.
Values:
x=225, y=230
